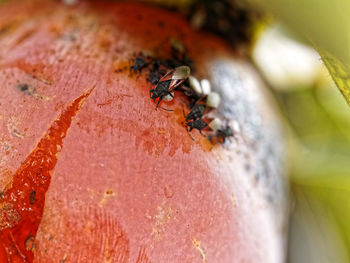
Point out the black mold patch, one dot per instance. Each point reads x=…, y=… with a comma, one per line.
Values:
x=224, y=18
x=26, y=89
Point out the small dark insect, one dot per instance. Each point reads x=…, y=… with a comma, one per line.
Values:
x=170, y=81
x=139, y=63
x=198, y=107
x=161, y=90
x=224, y=133
x=156, y=70
x=26, y=89
x=192, y=97
x=197, y=112
x=194, y=119
x=196, y=124
x=221, y=135
x=153, y=77
x=32, y=195
x=225, y=18
x=23, y=87
x=178, y=55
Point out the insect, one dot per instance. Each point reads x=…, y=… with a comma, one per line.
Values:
x=139, y=62
x=156, y=70
x=208, y=124
x=170, y=81
x=221, y=134
x=195, y=120
x=224, y=133
x=197, y=112
x=196, y=124
x=178, y=55
x=200, y=108
x=153, y=77
x=196, y=90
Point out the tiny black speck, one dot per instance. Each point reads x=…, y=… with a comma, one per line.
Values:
x=23, y=87
x=160, y=23
x=32, y=197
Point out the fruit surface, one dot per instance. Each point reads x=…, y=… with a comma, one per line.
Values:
x=91, y=172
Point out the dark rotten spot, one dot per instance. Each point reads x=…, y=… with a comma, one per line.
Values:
x=26, y=89
x=32, y=196
x=160, y=23
x=23, y=87
x=29, y=243
x=224, y=18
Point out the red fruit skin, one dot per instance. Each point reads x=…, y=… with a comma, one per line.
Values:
x=114, y=179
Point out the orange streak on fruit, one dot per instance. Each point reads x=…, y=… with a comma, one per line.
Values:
x=22, y=203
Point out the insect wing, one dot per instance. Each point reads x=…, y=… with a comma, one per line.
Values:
x=181, y=73
x=175, y=83
x=167, y=76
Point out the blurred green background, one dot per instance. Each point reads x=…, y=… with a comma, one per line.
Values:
x=318, y=123
x=318, y=120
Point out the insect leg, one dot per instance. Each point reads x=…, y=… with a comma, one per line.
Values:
x=183, y=108
x=164, y=108
x=200, y=131
x=130, y=67
x=160, y=99
x=139, y=73
x=188, y=132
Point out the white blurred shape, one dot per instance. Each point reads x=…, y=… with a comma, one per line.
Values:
x=206, y=86
x=285, y=62
x=70, y=2
x=215, y=124
x=169, y=97
x=195, y=85
x=213, y=100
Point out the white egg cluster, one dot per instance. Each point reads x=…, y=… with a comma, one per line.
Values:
x=215, y=124
x=203, y=88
